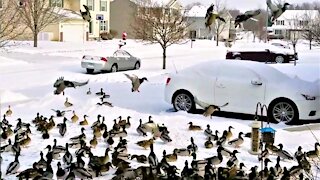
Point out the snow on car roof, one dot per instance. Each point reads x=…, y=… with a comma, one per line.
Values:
x=260, y=46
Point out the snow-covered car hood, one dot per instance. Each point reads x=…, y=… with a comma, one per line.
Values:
x=307, y=87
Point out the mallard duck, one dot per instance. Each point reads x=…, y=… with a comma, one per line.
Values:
x=152, y=158
x=165, y=137
x=97, y=123
x=58, y=148
x=183, y=151
x=233, y=161
x=207, y=131
x=171, y=157
x=29, y=173
x=208, y=144
x=223, y=139
x=62, y=127
x=194, y=127
x=276, y=10
x=229, y=133
x=85, y=121
x=94, y=141
x=89, y=91
x=197, y=164
x=135, y=82
x=216, y=160
x=128, y=124
x=211, y=17
x=61, y=173
x=264, y=154
x=45, y=134
x=116, y=126
x=42, y=163
x=6, y=148
x=110, y=141
x=25, y=142
x=9, y=111
x=81, y=136
x=272, y=148
x=245, y=16
x=97, y=132
x=264, y=173
x=139, y=158
x=13, y=166
x=141, y=130
x=298, y=154
x=74, y=117
x=224, y=151
x=314, y=153
x=101, y=159
x=67, y=103
x=100, y=93
x=193, y=147
x=238, y=141
x=277, y=167
x=80, y=172
x=67, y=157
x=145, y=143
x=283, y=154
x=52, y=154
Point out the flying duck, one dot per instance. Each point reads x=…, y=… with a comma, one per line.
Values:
x=9, y=111
x=194, y=127
x=67, y=103
x=245, y=16
x=211, y=16
x=135, y=81
x=238, y=141
x=86, y=14
x=276, y=10
x=60, y=113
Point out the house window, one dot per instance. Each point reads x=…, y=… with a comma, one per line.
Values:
x=103, y=26
x=90, y=27
x=278, y=32
x=56, y=3
x=280, y=22
x=90, y=4
x=103, y=5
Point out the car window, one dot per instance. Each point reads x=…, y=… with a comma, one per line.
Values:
x=125, y=54
x=236, y=72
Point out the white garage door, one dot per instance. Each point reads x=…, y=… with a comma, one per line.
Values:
x=73, y=33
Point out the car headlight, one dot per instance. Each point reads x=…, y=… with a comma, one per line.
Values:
x=308, y=97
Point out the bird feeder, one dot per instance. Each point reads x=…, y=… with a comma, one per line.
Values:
x=255, y=137
x=268, y=135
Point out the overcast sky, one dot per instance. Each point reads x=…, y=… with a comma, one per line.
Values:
x=243, y=5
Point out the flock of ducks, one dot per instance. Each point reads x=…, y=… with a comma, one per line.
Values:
x=75, y=159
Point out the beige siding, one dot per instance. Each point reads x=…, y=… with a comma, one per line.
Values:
x=54, y=29
x=72, y=4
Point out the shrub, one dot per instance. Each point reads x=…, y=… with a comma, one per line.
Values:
x=106, y=36
x=114, y=33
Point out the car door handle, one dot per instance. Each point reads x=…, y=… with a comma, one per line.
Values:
x=258, y=83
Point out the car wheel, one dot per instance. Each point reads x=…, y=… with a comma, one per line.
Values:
x=237, y=58
x=283, y=110
x=114, y=68
x=90, y=71
x=279, y=59
x=183, y=101
x=137, y=65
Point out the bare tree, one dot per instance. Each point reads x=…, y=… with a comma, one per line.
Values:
x=158, y=24
x=38, y=14
x=9, y=17
x=219, y=26
x=312, y=27
x=257, y=27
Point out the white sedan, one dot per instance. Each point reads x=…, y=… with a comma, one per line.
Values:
x=242, y=84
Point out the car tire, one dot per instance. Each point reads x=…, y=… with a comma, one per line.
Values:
x=183, y=101
x=137, y=65
x=90, y=71
x=114, y=68
x=237, y=58
x=279, y=59
x=283, y=110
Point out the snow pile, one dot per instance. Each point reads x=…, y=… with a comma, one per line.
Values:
x=11, y=97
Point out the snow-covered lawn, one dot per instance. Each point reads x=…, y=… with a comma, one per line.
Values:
x=27, y=75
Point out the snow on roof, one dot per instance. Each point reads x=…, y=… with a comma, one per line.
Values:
x=154, y=2
x=68, y=13
x=294, y=14
x=197, y=11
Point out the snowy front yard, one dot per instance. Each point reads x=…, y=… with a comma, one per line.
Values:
x=27, y=76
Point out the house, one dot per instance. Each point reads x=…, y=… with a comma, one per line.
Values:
x=196, y=19
x=72, y=27
x=123, y=14
x=292, y=20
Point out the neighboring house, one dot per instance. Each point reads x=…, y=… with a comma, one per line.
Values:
x=123, y=14
x=196, y=19
x=72, y=27
x=292, y=20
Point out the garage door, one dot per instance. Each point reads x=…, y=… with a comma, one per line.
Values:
x=73, y=32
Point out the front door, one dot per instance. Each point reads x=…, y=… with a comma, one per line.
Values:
x=240, y=87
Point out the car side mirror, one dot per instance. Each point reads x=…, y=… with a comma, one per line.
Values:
x=256, y=82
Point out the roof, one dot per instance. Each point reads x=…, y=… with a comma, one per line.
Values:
x=155, y=2
x=197, y=11
x=294, y=14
